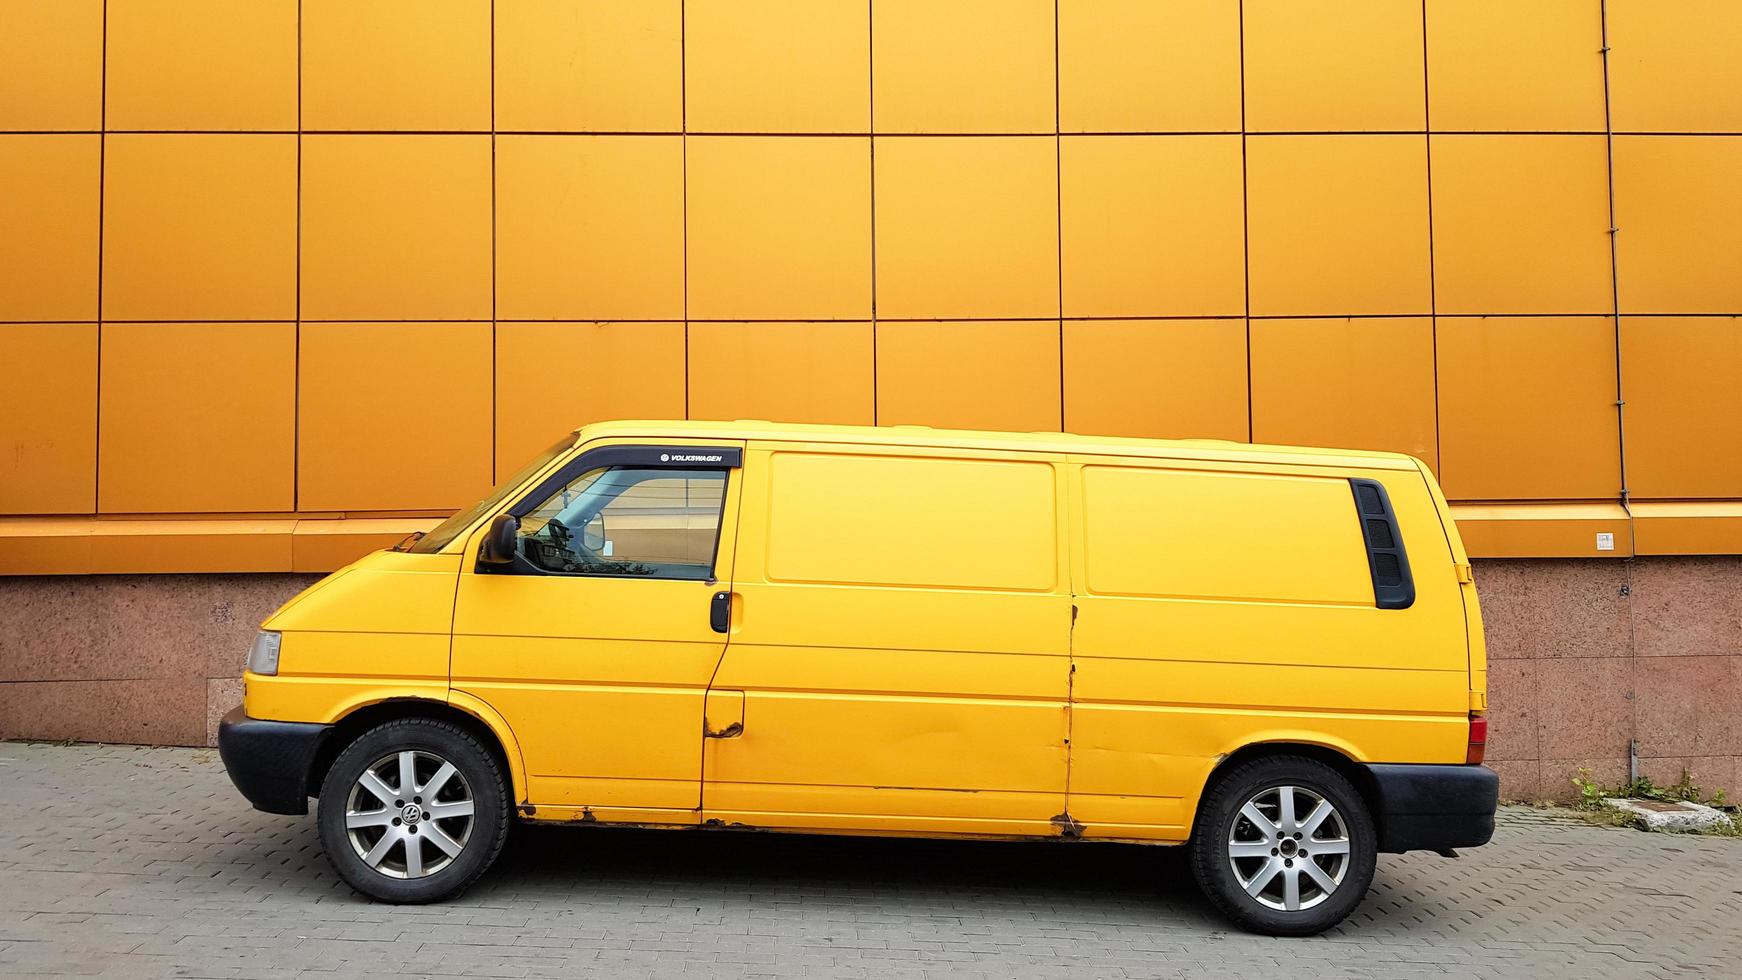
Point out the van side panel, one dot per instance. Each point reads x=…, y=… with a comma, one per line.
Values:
x=376, y=630
x=1478, y=640
x=901, y=638
x=1222, y=605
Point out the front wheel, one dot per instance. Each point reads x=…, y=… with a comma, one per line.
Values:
x=1284, y=846
x=413, y=811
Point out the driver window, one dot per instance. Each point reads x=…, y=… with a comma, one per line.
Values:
x=618, y=520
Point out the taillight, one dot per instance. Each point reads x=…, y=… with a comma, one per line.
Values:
x=1478, y=739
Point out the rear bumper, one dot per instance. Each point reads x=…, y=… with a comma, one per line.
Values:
x=269, y=761
x=1433, y=808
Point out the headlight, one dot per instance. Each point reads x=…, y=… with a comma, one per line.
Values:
x=263, y=654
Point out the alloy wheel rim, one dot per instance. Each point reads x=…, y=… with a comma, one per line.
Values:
x=1289, y=848
x=409, y=814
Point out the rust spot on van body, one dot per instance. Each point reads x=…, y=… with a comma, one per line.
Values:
x=717, y=823
x=1069, y=828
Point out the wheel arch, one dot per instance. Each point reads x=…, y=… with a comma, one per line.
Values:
x=468, y=713
x=1338, y=759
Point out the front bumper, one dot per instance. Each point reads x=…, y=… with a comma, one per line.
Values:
x=269, y=761
x=1434, y=808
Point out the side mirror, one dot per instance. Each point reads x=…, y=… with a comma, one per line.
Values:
x=593, y=535
x=499, y=540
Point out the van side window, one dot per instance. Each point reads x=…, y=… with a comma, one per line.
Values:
x=624, y=521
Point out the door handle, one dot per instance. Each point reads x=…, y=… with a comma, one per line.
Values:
x=720, y=612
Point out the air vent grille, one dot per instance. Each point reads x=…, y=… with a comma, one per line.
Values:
x=1393, y=587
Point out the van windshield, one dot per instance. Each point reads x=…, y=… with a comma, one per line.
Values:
x=438, y=537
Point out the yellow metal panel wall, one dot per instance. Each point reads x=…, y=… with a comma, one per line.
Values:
x=393, y=416
x=1152, y=225
x=1501, y=65
x=51, y=65
x=1679, y=202
x=1156, y=379
x=1527, y=408
x=965, y=66
x=1338, y=225
x=1363, y=383
x=1684, y=413
x=201, y=65
x=1138, y=66
x=48, y=418
x=1349, y=66
x=378, y=244
x=396, y=64
x=783, y=372
x=777, y=66
x=1015, y=364
x=361, y=258
x=199, y=417
x=778, y=227
x=601, y=66
x=220, y=210
x=589, y=227
x=553, y=377
x=966, y=226
x=49, y=192
x=1521, y=224
x=1675, y=68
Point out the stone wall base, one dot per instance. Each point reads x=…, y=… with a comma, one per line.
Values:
x=1585, y=657
x=145, y=659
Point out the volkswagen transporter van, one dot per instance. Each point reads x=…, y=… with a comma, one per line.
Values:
x=1273, y=656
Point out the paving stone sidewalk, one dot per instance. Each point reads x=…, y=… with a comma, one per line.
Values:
x=134, y=862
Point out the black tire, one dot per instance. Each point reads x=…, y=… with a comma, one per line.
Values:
x=1220, y=824
x=430, y=742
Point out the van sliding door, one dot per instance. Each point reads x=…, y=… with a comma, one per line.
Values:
x=899, y=645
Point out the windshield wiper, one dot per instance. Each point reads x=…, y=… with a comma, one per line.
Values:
x=406, y=542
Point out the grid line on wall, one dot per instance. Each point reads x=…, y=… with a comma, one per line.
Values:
x=871, y=143
x=102, y=180
x=1614, y=273
x=1245, y=231
x=1432, y=277
x=683, y=90
x=1058, y=174
x=1158, y=317
x=113, y=212
x=1620, y=399
x=857, y=134
x=296, y=332
x=495, y=234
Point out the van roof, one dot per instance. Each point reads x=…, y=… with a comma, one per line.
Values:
x=1042, y=442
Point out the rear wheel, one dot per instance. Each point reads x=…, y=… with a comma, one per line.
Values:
x=1284, y=846
x=413, y=811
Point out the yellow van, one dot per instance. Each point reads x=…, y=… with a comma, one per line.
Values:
x=1272, y=654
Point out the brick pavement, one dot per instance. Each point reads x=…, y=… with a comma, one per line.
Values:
x=135, y=862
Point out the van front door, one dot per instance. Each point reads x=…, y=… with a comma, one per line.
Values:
x=596, y=645
x=899, y=657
